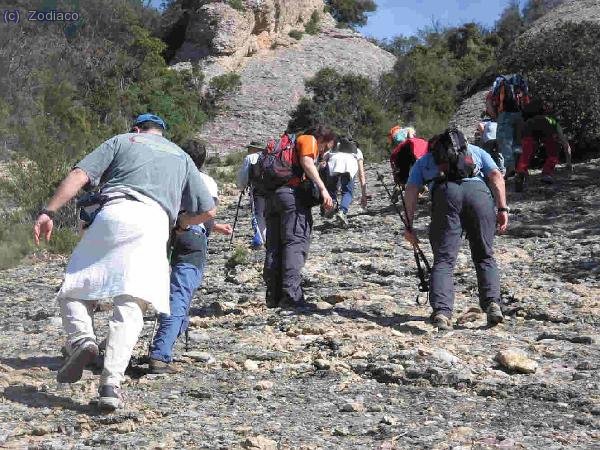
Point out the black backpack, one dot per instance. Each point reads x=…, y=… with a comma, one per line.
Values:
x=451, y=153
x=346, y=145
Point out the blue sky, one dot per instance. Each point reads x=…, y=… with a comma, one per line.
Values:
x=394, y=17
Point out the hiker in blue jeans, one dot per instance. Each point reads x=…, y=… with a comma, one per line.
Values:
x=188, y=262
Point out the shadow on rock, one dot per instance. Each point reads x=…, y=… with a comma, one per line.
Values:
x=50, y=362
x=32, y=397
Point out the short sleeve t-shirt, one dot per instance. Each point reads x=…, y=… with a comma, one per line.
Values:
x=306, y=145
x=425, y=169
x=151, y=165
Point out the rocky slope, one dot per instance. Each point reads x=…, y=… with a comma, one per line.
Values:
x=363, y=369
x=272, y=65
x=468, y=114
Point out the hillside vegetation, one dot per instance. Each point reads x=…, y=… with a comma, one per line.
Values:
x=68, y=87
x=440, y=66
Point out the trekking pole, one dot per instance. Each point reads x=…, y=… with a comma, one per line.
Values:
x=237, y=212
x=152, y=334
x=417, y=252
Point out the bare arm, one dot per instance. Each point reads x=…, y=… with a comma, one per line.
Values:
x=307, y=164
x=223, y=228
x=411, y=196
x=185, y=220
x=497, y=184
x=68, y=188
x=362, y=179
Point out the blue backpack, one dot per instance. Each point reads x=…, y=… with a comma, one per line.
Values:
x=516, y=89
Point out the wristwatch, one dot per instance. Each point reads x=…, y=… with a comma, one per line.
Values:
x=48, y=212
x=504, y=209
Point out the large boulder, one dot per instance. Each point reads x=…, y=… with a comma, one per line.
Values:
x=559, y=54
x=469, y=114
x=255, y=43
x=273, y=84
x=217, y=29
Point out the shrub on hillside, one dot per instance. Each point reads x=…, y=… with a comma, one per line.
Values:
x=350, y=13
x=296, y=34
x=312, y=26
x=562, y=67
x=347, y=103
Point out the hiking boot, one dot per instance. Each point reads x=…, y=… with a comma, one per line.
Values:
x=547, y=179
x=342, y=219
x=494, y=314
x=85, y=351
x=110, y=399
x=519, y=182
x=157, y=366
x=441, y=322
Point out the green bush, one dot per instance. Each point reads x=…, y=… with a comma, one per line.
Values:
x=224, y=169
x=16, y=242
x=218, y=88
x=312, y=26
x=347, y=103
x=236, y=4
x=433, y=73
x=351, y=13
x=296, y=34
x=63, y=241
x=562, y=68
x=239, y=257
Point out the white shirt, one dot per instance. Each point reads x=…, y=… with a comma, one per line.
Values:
x=244, y=172
x=339, y=162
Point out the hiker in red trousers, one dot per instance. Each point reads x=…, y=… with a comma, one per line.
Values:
x=545, y=129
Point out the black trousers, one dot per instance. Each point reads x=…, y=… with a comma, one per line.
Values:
x=289, y=226
x=468, y=207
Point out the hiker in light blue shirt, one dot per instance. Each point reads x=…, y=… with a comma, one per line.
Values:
x=459, y=205
x=425, y=170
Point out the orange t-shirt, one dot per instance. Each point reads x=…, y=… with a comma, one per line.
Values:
x=306, y=145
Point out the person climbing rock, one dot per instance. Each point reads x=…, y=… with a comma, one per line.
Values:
x=541, y=128
x=487, y=132
x=407, y=149
x=289, y=219
x=509, y=94
x=461, y=202
x=144, y=180
x=188, y=263
x=341, y=166
x=247, y=179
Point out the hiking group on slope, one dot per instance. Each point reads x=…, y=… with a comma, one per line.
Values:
x=136, y=210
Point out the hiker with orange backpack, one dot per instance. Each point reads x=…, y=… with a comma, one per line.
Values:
x=505, y=101
x=291, y=180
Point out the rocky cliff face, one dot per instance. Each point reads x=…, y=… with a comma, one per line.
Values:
x=273, y=66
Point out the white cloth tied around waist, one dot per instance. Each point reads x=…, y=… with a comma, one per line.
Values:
x=343, y=163
x=123, y=252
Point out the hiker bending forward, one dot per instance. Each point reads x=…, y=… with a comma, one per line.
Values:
x=289, y=223
x=122, y=255
x=463, y=204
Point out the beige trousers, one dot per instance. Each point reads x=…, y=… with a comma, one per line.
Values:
x=125, y=327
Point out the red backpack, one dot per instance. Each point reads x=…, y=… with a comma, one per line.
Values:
x=277, y=164
x=404, y=156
